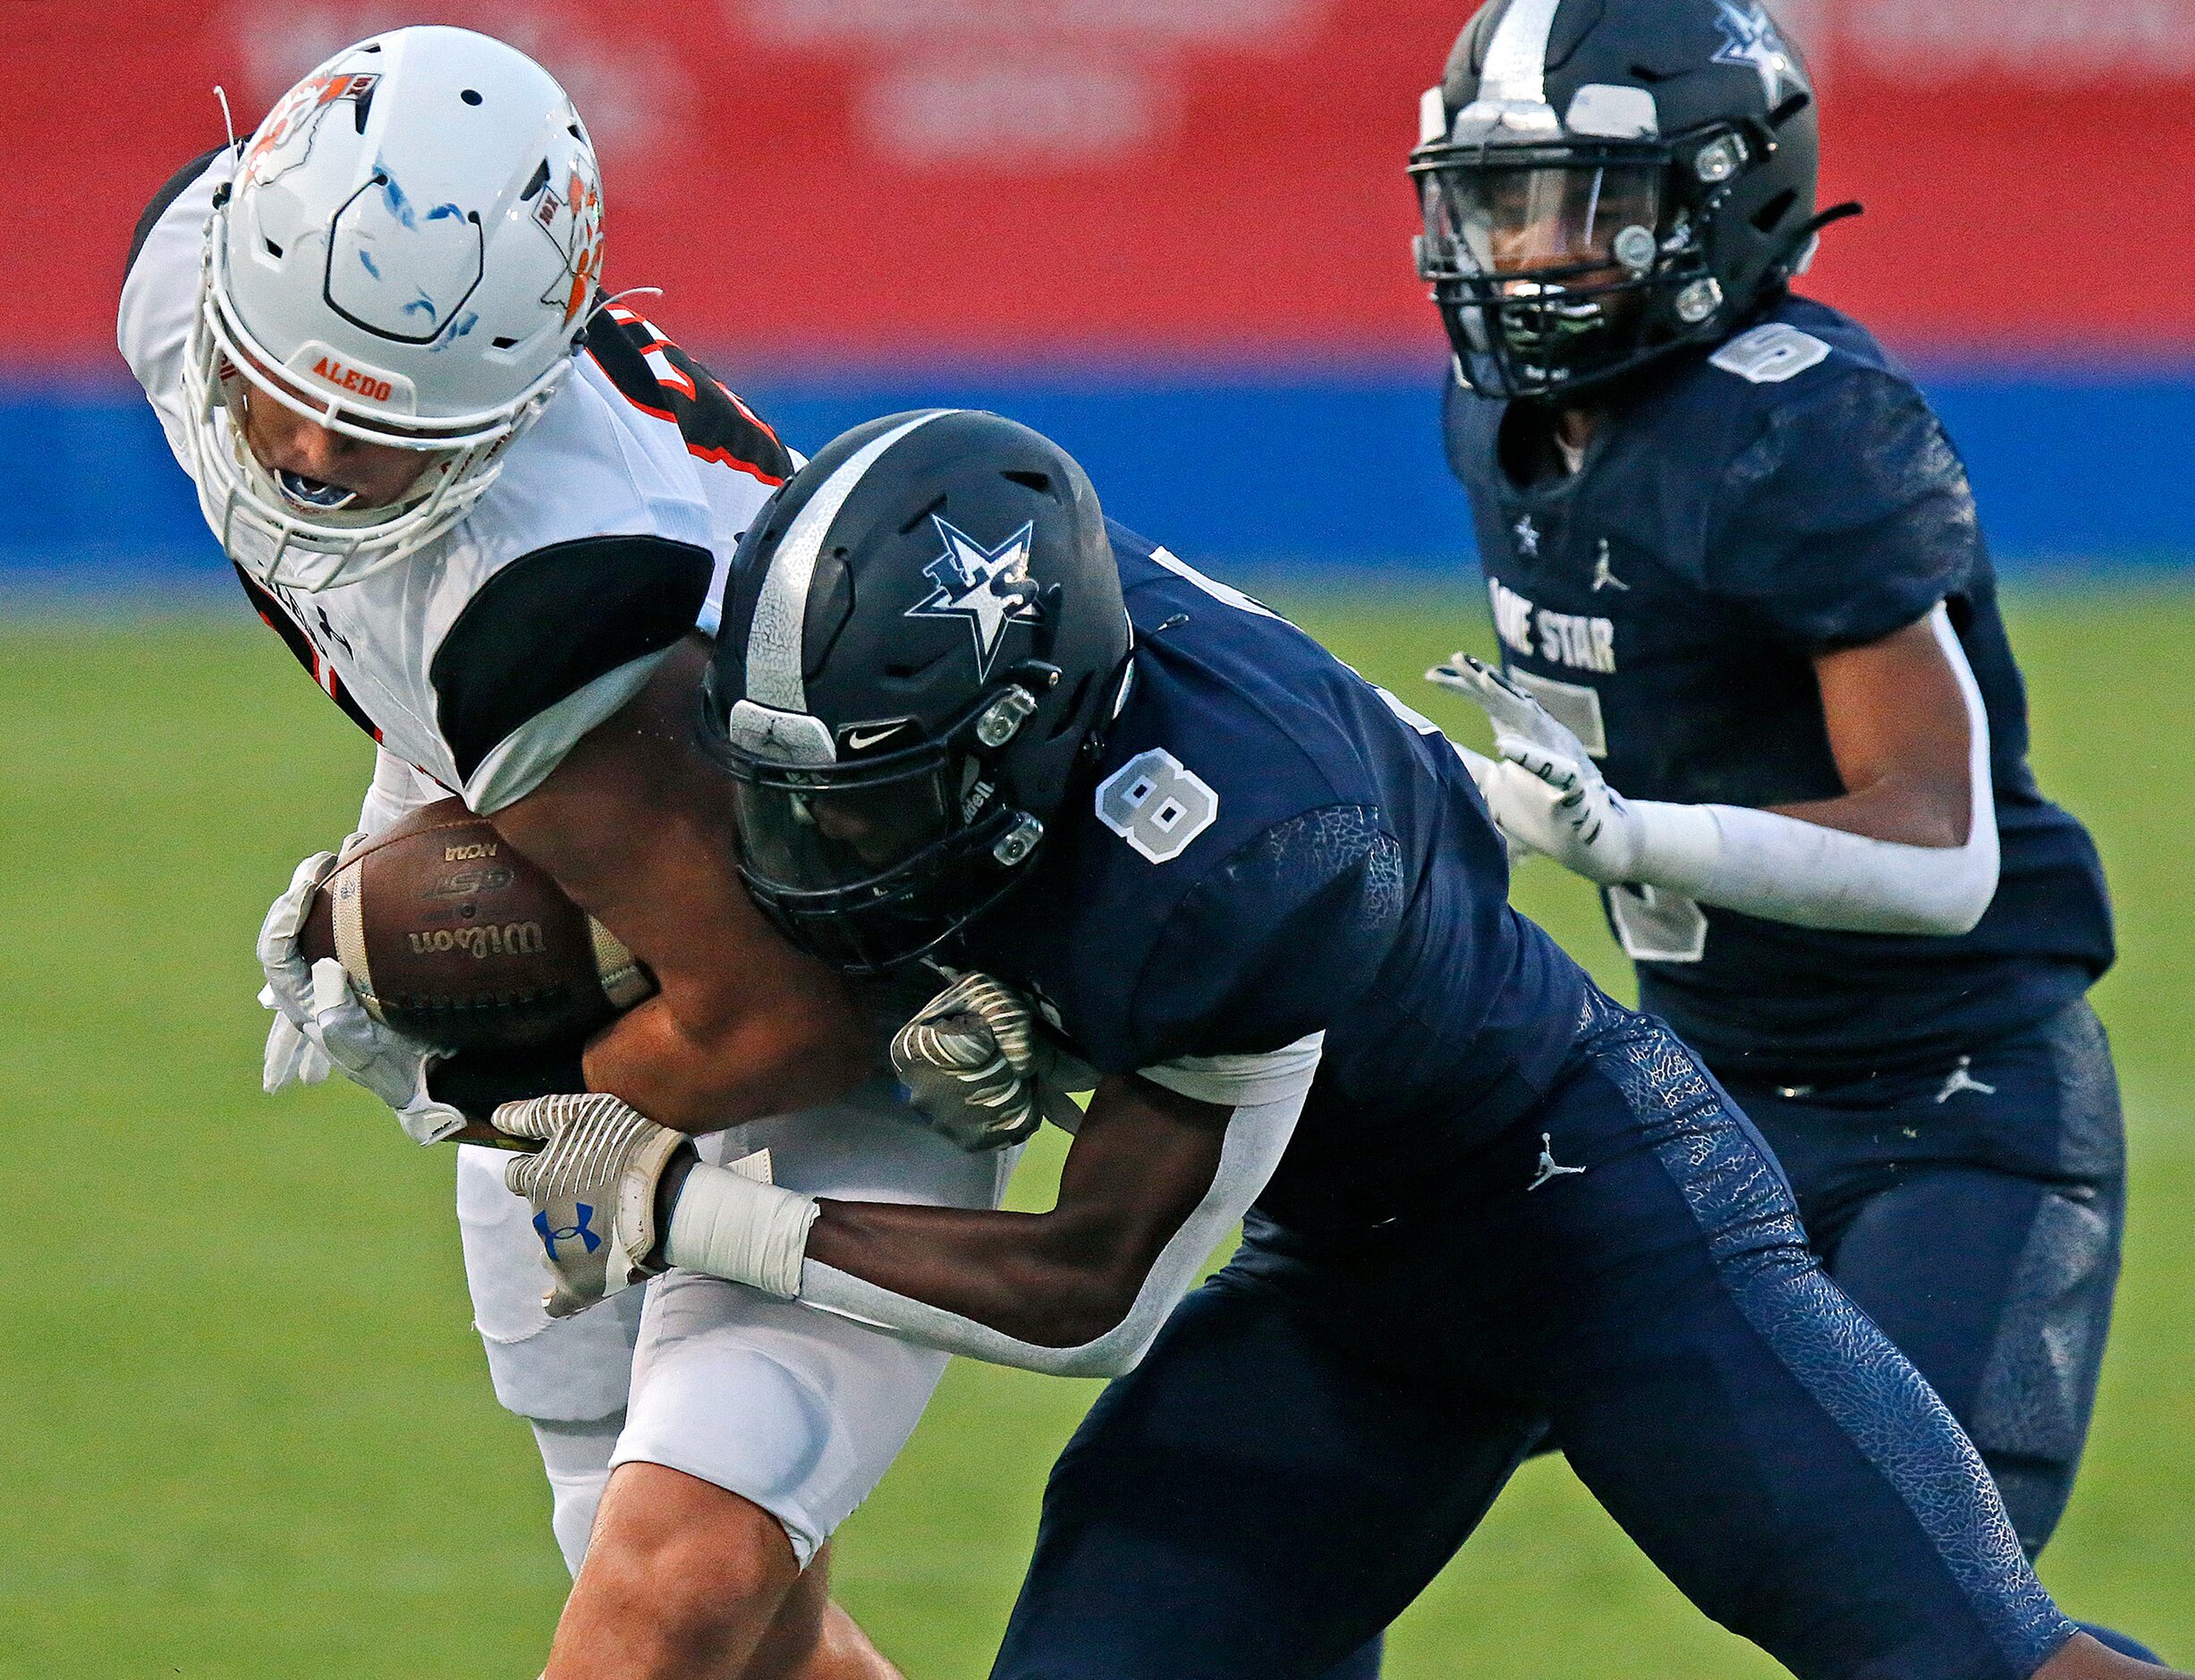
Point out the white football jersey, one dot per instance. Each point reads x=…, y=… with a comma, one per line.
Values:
x=484, y=658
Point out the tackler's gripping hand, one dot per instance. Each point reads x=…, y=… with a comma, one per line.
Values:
x=593, y=1185
x=320, y=1024
x=1547, y=793
x=980, y=1065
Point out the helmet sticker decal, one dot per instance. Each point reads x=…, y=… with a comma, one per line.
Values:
x=571, y=221
x=1750, y=38
x=990, y=587
x=871, y=738
x=415, y=267
x=285, y=139
x=1432, y=117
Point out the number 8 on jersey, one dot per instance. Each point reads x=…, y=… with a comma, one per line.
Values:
x=1156, y=805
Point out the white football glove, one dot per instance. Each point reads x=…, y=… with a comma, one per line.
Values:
x=1546, y=793
x=290, y=1057
x=593, y=1190
x=320, y=1022
x=977, y=1061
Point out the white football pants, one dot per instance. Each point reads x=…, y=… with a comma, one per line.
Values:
x=799, y=1410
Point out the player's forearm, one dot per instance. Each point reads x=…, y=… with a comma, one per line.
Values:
x=1152, y=1183
x=1902, y=811
x=1910, y=849
x=1133, y=1181
x=1045, y=1280
x=702, y=1075
x=397, y=791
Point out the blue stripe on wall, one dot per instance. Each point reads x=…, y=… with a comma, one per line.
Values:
x=1335, y=466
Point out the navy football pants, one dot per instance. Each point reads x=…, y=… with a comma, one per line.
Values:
x=1974, y=1212
x=1316, y=1432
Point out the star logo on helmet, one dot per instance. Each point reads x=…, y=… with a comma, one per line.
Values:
x=989, y=588
x=1750, y=38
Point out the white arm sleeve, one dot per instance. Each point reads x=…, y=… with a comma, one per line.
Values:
x=1267, y=1092
x=1785, y=869
x=398, y=789
x=160, y=299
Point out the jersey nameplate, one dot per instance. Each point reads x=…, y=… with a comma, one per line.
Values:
x=1583, y=641
x=1771, y=354
x=1156, y=805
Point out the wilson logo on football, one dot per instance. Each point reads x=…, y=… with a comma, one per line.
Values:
x=513, y=939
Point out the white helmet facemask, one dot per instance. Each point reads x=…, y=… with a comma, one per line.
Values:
x=407, y=256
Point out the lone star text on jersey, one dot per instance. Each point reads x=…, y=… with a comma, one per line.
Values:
x=1582, y=643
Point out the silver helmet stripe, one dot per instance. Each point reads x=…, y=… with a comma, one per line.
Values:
x=781, y=614
x=1513, y=87
x=1516, y=67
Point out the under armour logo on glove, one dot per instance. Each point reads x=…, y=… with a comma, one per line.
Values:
x=584, y=1230
x=599, y=1157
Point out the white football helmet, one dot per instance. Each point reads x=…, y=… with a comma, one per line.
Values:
x=406, y=255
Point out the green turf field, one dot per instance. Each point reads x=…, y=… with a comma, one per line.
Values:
x=245, y=1428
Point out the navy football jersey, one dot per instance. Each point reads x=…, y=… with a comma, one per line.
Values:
x=1272, y=848
x=1790, y=494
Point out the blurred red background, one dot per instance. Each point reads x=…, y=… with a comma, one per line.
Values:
x=1129, y=179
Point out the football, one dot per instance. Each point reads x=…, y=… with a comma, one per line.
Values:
x=452, y=937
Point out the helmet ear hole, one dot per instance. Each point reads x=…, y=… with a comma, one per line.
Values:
x=922, y=516
x=1771, y=215
x=904, y=671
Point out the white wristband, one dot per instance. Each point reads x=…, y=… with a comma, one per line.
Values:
x=731, y=1225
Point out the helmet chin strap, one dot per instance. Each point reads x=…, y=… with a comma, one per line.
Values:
x=1795, y=253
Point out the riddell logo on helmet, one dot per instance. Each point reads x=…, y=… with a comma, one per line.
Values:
x=365, y=385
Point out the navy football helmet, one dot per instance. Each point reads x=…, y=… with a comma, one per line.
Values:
x=922, y=642
x=1604, y=181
